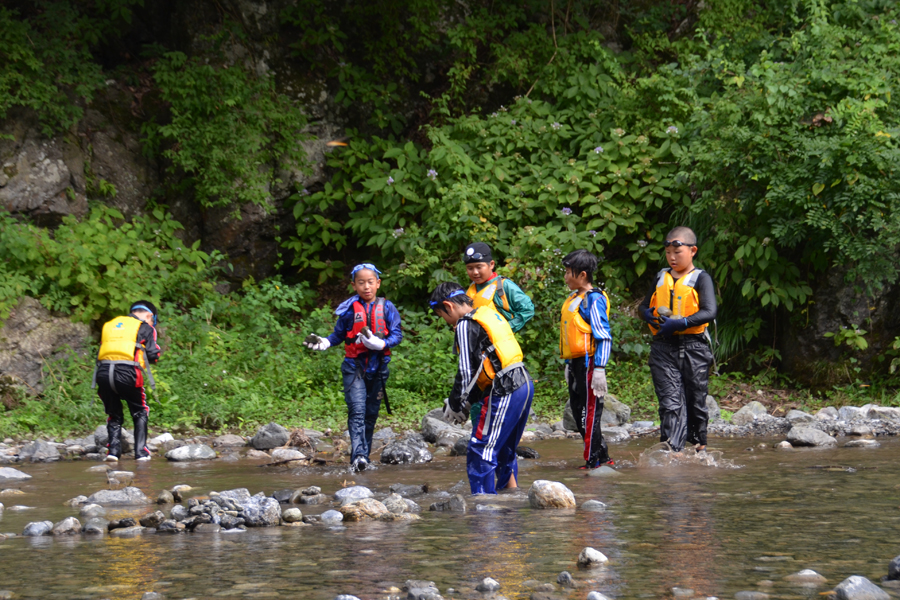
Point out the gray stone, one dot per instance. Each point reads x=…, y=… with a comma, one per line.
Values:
x=423, y=594
x=95, y=526
x=644, y=425
x=260, y=511
x=593, y=506
x=32, y=337
x=488, y=585
x=894, y=569
x=208, y=528
x=355, y=492
x=862, y=444
x=455, y=503
x=806, y=577
x=77, y=501
x=121, y=523
x=331, y=517
x=119, y=479
x=89, y=511
x=749, y=413
x=229, y=441
x=411, y=449
x=565, y=579
x=860, y=429
x=156, y=442
x=286, y=455
x=432, y=429
x=614, y=413
x=885, y=413
x=408, y=491
x=153, y=520
x=615, y=435
x=165, y=497
x=856, y=587
x=798, y=417
x=712, y=410
x=412, y=507
x=603, y=471
x=178, y=513
x=285, y=496
x=270, y=436
x=10, y=474
x=127, y=532
x=460, y=447
x=292, y=515
x=396, y=504
x=807, y=436
x=848, y=413
x=239, y=495
x=751, y=595
x=38, y=528
x=829, y=413
x=190, y=453
x=550, y=494
x=128, y=495
x=590, y=557
x=568, y=421
x=39, y=451
x=527, y=453
x=317, y=499
x=784, y=445
x=68, y=526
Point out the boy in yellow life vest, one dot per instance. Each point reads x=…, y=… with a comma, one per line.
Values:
x=678, y=309
x=127, y=347
x=489, y=288
x=584, y=342
x=491, y=369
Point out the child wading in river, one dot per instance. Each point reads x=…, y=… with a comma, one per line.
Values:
x=490, y=289
x=490, y=363
x=369, y=327
x=584, y=342
x=678, y=309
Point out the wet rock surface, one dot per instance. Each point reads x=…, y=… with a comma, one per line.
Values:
x=411, y=449
x=550, y=494
x=856, y=587
x=128, y=495
x=190, y=453
x=270, y=436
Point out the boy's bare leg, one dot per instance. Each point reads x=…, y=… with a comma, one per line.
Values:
x=512, y=483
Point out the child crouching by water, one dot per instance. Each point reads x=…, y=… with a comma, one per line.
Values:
x=491, y=360
x=369, y=328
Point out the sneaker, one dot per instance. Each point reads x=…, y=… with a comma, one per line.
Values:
x=111, y=458
x=588, y=466
x=608, y=463
x=143, y=458
x=359, y=464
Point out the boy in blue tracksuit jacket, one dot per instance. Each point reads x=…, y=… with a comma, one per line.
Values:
x=369, y=327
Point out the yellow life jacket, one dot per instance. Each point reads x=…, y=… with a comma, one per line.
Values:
x=119, y=340
x=503, y=345
x=575, y=339
x=486, y=296
x=680, y=296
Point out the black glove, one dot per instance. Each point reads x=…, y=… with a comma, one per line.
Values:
x=649, y=317
x=670, y=326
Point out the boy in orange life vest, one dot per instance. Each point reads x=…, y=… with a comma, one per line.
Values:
x=584, y=342
x=369, y=328
x=127, y=346
x=678, y=310
x=489, y=288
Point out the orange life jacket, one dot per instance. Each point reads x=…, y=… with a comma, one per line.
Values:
x=680, y=296
x=575, y=339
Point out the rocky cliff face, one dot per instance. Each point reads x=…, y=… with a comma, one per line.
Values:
x=31, y=337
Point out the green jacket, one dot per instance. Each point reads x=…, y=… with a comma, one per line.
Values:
x=521, y=308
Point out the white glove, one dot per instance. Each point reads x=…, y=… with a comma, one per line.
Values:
x=453, y=416
x=598, y=382
x=566, y=374
x=314, y=342
x=371, y=342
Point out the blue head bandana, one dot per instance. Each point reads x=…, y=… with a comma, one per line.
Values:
x=363, y=266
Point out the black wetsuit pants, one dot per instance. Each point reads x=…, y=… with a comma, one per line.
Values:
x=587, y=410
x=126, y=380
x=680, y=369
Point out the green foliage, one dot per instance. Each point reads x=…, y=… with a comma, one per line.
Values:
x=97, y=266
x=230, y=131
x=853, y=337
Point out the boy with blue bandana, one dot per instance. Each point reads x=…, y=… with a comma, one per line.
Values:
x=369, y=327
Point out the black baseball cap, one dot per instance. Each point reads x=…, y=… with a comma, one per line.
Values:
x=477, y=252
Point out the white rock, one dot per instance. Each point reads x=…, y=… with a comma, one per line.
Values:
x=589, y=557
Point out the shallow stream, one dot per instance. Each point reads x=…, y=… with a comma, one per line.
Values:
x=714, y=530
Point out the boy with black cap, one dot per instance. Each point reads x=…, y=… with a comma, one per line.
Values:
x=491, y=369
x=678, y=310
x=489, y=288
x=127, y=347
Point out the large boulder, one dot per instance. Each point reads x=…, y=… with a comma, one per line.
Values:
x=808, y=436
x=550, y=494
x=39, y=451
x=270, y=436
x=261, y=511
x=749, y=413
x=615, y=413
x=568, y=420
x=798, y=417
x=713, y=410
x=38, y=528
x=190, y=453
x=128, y=495
x=68, y=526
x=354, y=492
x=856, y=587
x=364, y=509
x=434, y=429
x=31, y=337
x=412, y=449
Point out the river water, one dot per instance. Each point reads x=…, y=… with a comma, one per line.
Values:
x=715, y=530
